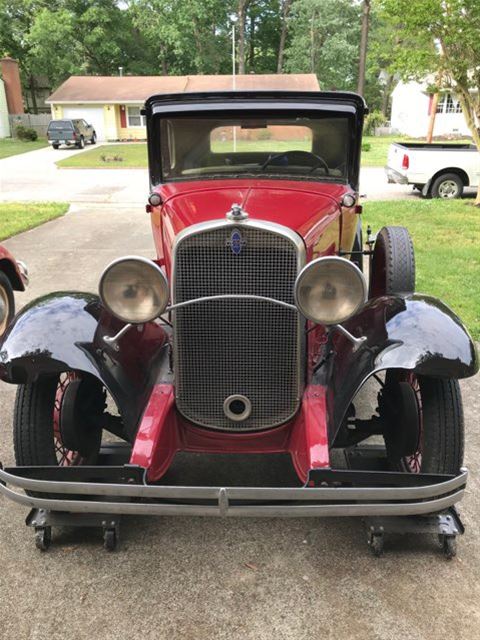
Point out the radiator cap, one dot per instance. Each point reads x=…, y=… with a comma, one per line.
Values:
x=236, y=213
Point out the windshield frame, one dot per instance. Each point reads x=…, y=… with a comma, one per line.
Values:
x=236, y=104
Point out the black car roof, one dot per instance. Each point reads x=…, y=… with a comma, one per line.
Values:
x=329, y=100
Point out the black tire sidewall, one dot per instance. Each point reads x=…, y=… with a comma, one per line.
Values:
x=392, y=268
x=442, y=425
x=443, y=178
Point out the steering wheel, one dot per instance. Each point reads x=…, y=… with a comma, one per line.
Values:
x=301, y=155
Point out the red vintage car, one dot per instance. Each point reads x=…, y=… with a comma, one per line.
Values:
x=252, y=331
x=13, y=277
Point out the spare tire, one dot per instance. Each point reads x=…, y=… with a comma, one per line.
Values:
x=392, y=269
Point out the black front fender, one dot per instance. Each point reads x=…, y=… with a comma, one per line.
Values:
x=64, y=332
x=415, y=332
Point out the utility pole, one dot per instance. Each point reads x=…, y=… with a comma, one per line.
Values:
x=363, y=47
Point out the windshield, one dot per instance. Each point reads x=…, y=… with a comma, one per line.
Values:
x=313, y=148
x=60, y=124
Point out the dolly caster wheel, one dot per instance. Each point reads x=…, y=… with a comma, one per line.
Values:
x=449, y=546
x=43, y=538
x=376, y=544
x=110, y=539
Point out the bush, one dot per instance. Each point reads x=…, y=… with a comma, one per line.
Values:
x=26, y=133
x=366, y=146
x=372, y=121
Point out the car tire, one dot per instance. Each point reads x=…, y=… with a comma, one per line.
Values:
x=81, y=143
x=37, y=425
x=94, y=138
x=448, y=186
x=435, y=444
x=392, y=268
x=56, y=146
x=7, y=303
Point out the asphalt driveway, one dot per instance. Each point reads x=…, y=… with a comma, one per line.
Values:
x=207, y=579
x=34, y=176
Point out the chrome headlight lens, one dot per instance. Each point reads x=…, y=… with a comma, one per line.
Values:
x=330, y=290
x=134, y=290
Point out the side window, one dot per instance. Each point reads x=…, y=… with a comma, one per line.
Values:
x=134, y=118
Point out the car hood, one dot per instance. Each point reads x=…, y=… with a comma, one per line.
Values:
x=305, y=207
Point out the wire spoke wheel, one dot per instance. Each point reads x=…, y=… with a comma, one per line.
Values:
x=423, y=422
x=65, y=456
x=58, y=420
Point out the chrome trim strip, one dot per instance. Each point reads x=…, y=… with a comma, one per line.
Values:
x=223, y=508
x=234, y=493
x=263, y=225
x=236, y=296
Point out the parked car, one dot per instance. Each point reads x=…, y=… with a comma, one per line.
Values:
x=70, y=133
x=13, y=277
x=437, y=170
x=251, y=331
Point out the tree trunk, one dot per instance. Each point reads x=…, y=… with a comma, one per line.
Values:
x=33, y=94
x=387, y=89
x=242, y=15
x=286, y=4
x=471, y=112
x=433, y=115
x=312, y=43
x=363, y=47
x=251, y=48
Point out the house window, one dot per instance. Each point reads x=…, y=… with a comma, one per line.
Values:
x=447, y=103
x=134, y=119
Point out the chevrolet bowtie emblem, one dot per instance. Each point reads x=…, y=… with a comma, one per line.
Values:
x=236, y=242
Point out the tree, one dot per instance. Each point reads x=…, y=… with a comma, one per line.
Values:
x=185, y=37
x=324, y=37
x=242, y=18
x=285, y=6
x=441, y=37
x=363, y=46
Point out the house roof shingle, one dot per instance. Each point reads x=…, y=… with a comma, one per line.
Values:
x=80, y=89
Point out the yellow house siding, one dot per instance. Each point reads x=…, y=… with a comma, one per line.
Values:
x=110, y=121
x=57, y=111
x=133, y=133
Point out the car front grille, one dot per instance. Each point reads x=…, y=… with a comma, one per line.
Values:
x=237, y=346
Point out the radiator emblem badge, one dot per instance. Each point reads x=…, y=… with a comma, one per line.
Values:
x=236, y=242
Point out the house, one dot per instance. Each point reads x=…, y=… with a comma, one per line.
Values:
x=112, y=103
x=4, y=124
x=411, y=110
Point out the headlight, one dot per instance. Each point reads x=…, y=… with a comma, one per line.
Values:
x=134, y=290
x=330, y=290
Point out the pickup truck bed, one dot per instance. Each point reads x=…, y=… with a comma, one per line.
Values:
x=440, y=170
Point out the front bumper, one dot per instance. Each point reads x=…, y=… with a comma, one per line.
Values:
x=343, y=493
x=394, y=176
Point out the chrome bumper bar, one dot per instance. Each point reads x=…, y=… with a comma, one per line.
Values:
x=233, y=501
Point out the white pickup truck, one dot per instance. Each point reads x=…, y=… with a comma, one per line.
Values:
x=437, y=170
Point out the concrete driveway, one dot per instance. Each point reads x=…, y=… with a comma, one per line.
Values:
x=34, y=176
x=208, y=579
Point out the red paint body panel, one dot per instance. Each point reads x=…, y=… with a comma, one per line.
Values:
x=309, y=208
x=163, y=432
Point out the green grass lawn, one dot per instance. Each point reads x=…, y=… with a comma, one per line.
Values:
x=10, y=147
x=128, y=156
x=131, y=155
x=446, y=236
x=16, y=217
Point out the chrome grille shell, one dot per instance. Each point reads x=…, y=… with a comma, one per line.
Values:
x=227, y=347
